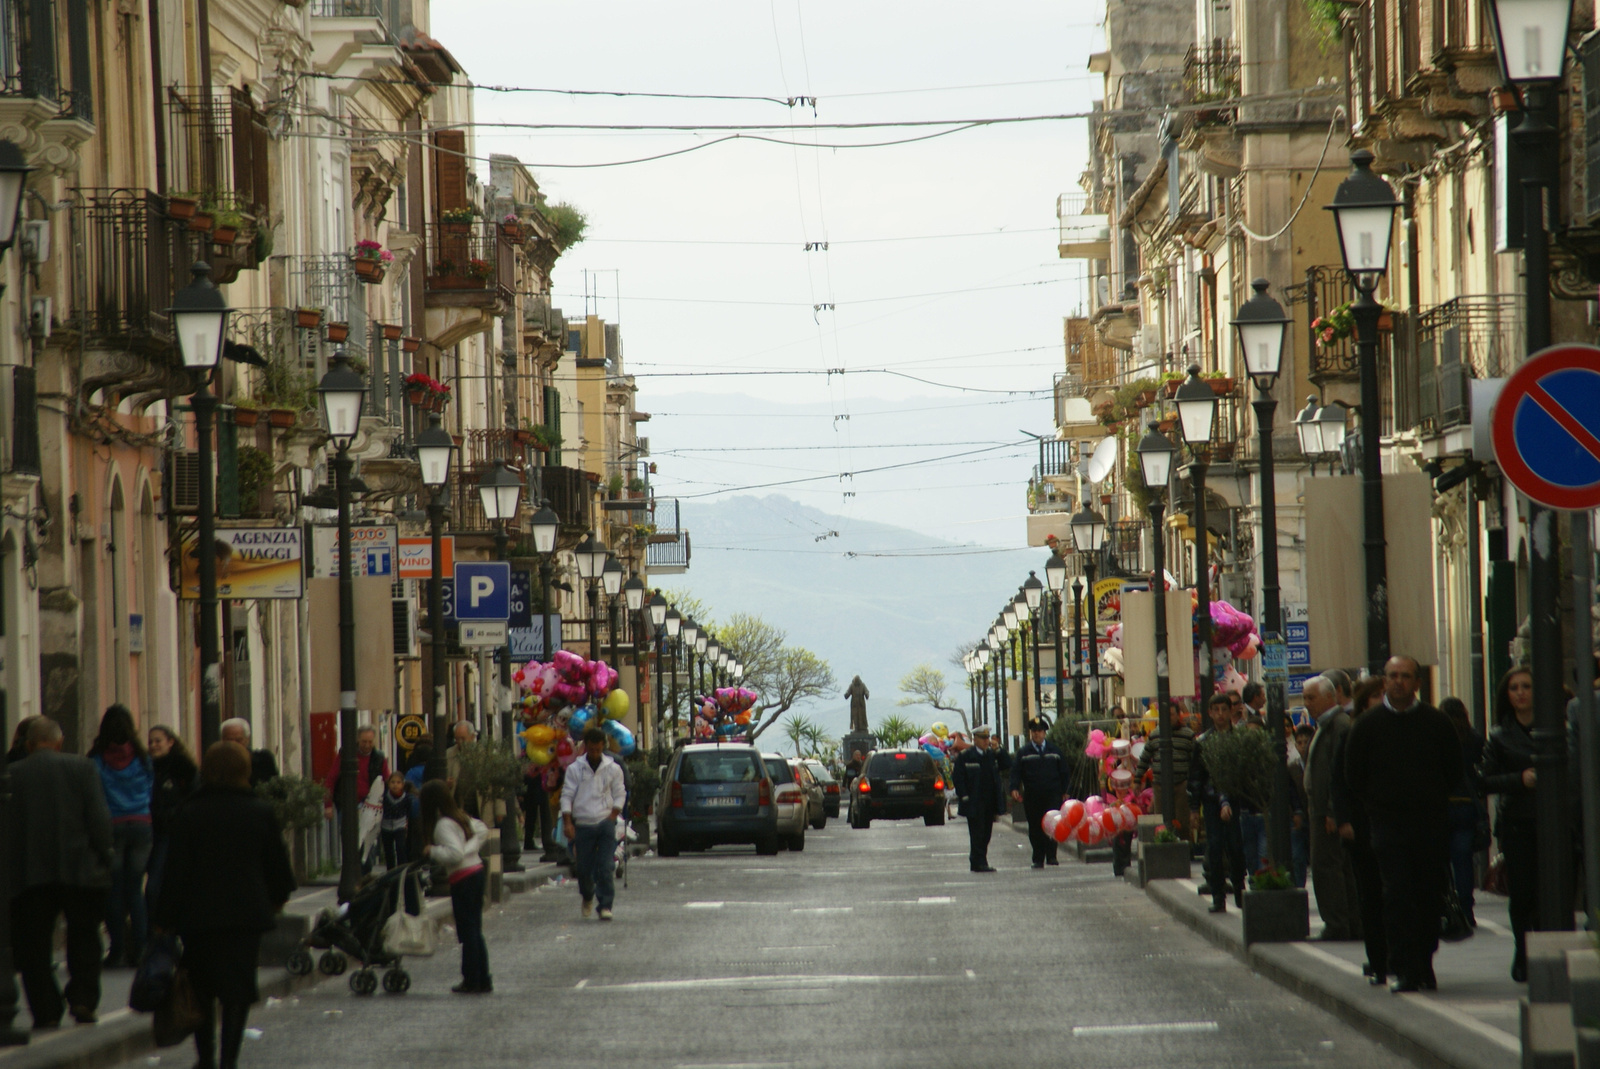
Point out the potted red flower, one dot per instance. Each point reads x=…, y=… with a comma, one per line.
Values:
x=438, y=396
x=370, y=260
x=418, y=387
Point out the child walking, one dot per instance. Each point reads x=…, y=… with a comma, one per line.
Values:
x=454, y=840
x=394, y=831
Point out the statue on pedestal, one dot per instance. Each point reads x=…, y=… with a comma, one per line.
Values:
x=857, y=693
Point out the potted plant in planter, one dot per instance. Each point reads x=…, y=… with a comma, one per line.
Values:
x=1167, y=857
x=635, y=487
x=391, y=332
x=182, y=205
x=281, y=418
x=511, y=227
x=456, y=220
x=1275, y=910
x=1170, y=382
x=244, y=411
x=338, y=332
x=1334, y=326
x=1221, y=384
x=418, y=387
x=370, y=260
x=546, y=437
x=225, y=226
x=410, y=345
x=307, y=318
x=614, y=486
x=202, y=220
x=438, y=396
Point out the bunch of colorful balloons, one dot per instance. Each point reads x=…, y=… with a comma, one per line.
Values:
x=1090, y=821
x=567, y=680
x=1233, y=631
x=563, y=698
x=727, y=711
x=935, y=742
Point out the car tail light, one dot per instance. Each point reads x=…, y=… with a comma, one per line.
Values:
x=789, y=794
x=865, y=788
x=938, y=784
x=832, y=788
x=677, y=796
x=765, y=797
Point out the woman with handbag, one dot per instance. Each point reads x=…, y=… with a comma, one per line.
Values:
x=1507, y=771
x=227, y=876
x=454, y=841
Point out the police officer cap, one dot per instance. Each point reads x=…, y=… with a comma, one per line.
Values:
x=981, y=729
x=1038, y=724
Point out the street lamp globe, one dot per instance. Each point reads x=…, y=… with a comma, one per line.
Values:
x=738, y=671
x=992, y=639
x=1155, y=458
x=673, y=623
x=1088, y=530
x=434, y=446
x=1363, y=211
x=701, y=642
x=1008, y=616
x=1197, y=408
x=1033, y=590
x=1262, y=326
x=1331, y=427
x=14, y=171
x=713, y=652
x=546, y=524
x=590, y=557
x=343, y=393
x=658, y=609
x=499, y=489
x=199, y=311
x=1307, y=429
x=1055, y=574
x=611, y=577
x=1530, y=35
x=1019, y=605
x=633, y=593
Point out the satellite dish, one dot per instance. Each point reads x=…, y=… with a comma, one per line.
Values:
x=1104, y=459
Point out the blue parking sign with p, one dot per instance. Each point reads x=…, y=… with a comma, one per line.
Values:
x=483, y=590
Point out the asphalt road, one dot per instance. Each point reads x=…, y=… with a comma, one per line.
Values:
x=872, y=948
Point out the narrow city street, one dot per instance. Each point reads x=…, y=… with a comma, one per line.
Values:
x=875, y=948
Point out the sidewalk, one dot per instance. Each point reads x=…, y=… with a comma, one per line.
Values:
x=122, y=1034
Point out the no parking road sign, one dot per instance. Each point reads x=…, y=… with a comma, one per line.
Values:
x=1547, y=428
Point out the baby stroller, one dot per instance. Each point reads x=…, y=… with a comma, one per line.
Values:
x=355, y=929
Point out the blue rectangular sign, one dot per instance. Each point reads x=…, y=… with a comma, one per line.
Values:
x=1299, y=656
x=483, y=590
x=447, y=600
x=1297, y=633
x=521, y=599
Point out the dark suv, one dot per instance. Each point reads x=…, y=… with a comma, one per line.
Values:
x=897, y=785
x=716, y=793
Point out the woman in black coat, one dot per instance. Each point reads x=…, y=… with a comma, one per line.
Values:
x=1507, y=771
x=227, y=875
x=175, y=775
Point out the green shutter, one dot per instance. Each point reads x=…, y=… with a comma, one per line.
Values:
x=552, y=419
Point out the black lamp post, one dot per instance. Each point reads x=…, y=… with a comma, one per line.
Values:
x=1019, y=605
x=591, y=559
x=1363, y=209
x=343, y=393
x=713, y=662
x=434, y=448
x=1531, y=36
x=1033, y=595
x=1155, y=462
x=673, y=626
x=691, y=637
x=1088, y=537
x=611, y=583
x=1262, y=327
x=657, y=609
x=1197, y=415
x=633, y=592
x=500, y=491
x=199, y=322
x=546, y=524
x=701, y=643
x=1077, y=644
x=1055, y=577
x=14, y=172
x=1007, y=633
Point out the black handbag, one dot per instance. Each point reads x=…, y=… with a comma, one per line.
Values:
x=152, y=982
x=1454, y=924
x=177, y=1018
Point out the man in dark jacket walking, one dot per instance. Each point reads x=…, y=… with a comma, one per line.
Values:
x=1224, y=849
x=1402, y=760
x=979, y=780
x=1332, y=875
x=1039, y=782
x=61, y=863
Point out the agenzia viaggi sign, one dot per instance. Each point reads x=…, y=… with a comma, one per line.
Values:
x=374, y=551
x=252, y=563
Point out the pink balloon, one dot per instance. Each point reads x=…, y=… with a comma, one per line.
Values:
x=1095, y=805
x=1048, y=824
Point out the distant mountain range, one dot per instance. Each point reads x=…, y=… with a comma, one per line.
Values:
x=871, y=599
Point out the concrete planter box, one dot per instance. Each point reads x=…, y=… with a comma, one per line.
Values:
x=1276, y=916
x=1165, y=861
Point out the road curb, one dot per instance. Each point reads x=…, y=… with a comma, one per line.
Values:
x=1415, y=1026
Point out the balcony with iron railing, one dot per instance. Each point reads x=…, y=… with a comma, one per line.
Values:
x=1084, y=234
x=1466, y=338
x=570, y=492
x=1211, y=77
x=668, y=557
x=132, y=260
x=470, y=264
x=384, y=17
x=1326, y=291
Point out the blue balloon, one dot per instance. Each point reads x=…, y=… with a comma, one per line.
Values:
x=934, y=752
x=580, y=720
x=620, y=734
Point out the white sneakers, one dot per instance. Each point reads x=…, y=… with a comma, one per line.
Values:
x=605, y=914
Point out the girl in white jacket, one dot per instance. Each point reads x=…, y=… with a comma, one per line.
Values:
x=454, y=840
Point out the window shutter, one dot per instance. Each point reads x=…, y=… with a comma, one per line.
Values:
x=449, y=170
x=262, y=178
x=241, y=116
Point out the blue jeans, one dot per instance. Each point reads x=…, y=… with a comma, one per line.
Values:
x=466, y=903
x=126, y=918
x=594, y=860
x=1463, y=824
x=1253, y=831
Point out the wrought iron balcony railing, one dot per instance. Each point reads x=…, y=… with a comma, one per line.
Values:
x=217, y=148
x=1084, y=235
x=569, y=491
x=1211, y=75
x=1327, y=290
x=467, y=261
x=133, y=260
x=1466, y=338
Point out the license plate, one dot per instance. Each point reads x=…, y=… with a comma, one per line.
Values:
x=722, y=800
x=902, y=788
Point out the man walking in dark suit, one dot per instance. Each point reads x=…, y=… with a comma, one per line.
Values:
x=978, y=774
x=1402, y=760
x=1332, y=876
x=61, y=861
x=1039, y=782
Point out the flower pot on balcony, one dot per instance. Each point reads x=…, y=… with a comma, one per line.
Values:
x=1167, y=424
x=417, y=395
x=1276, y=916
x=1386, y=320
x=368, y=271
x=201, y=221
x=1222, y=452
x=1221, y=387
x=281, y=417
x=521, y=437
x=1169, y=389
x=338, y=332
x=307, y=318
x=245, y=417
x=1145, y=399
x=391, y=332
x=225, y=235
x=181, y=207
x=513, y=233
x=410, y=345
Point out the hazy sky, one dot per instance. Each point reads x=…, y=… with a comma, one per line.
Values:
x=701, y=256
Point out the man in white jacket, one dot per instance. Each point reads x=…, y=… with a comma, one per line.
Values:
x=591, y=800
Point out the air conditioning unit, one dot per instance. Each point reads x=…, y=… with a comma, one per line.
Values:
x=406, y=642
x=183, y=482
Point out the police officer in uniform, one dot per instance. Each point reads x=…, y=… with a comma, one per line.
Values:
x=1039, y=782
x=979, y=779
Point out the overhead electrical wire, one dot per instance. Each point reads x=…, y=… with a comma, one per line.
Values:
x=831, y=372
x=853, y=474
x=859, y=300
x=835, y=241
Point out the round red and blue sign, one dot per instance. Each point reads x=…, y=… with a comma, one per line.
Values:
x=1546, y=428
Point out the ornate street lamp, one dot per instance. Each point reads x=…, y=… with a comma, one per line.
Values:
x=590, y=557
x=1089, y=538
x=1155, y=453
x=343, y=393
x=1262, y=327
x=434, y=449
x=14, y=171
x=1197, y=418
x=1055, y=578
x=1033, y=595
x=611, y=583
x=500, y=492
x=673, y=626
x=545, y=526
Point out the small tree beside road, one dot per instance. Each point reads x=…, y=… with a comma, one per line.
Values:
x=925, y=685
x=895, y=730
